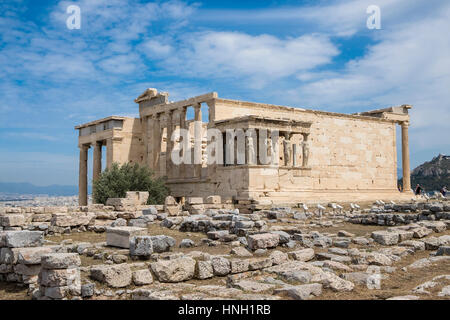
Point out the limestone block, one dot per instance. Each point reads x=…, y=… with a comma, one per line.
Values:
x=170, y=201
x=204, y=270
x=238, y=266
x=385, y=237
x=21, y=239
x=141, y=223
x=116, y=276
x=30, y=255
x=302, y=255
x=162, y=243
x=59, y=277
x=12, y=220
x=141, y=246
x=137, y=197
x=27, y=270
x=301, y=292
x=60, y=260
x=278, y=257
x=45, y=217
x=72, y=220
x=404, y=235
x=194, y=200
x=263, y=241
x=196, y=209
x=176, y=270
x=116, y=202
x=121, y=236
x=173, y=210
x=259, y=263
x=213, y=200
x=221, y=266
x=421, y=232
x=142, y=277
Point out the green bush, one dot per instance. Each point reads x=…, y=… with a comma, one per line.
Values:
x=117, y=180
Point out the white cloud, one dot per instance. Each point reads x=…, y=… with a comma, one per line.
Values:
x=261, y=58
x=409, y=64
x=123, y=64
x=155, y=49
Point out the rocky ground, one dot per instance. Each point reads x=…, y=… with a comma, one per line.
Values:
x=376, y=251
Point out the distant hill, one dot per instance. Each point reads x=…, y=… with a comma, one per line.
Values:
x=432, y=175
x=28, y=188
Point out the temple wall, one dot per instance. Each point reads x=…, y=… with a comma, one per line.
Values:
x=346, y=153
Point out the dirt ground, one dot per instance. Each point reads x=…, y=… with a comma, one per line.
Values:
x=11, y=291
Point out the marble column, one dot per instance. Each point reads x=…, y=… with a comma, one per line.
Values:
x=97, y=165
x=198, y=140
x=109, y=153
x=156, y=143
x=145, y=136
x=185, y=143
x=82, y=178
x=150, y=141
x=169, y=144
x=294, y=155
x=176, y=144
x=405, y=157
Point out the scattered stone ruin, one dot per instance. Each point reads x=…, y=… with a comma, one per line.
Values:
x=206, y=248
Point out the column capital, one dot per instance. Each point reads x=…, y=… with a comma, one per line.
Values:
x=405, y=124
x=84, y=147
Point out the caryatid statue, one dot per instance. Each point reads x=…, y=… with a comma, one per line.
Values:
x=269, y=151
x=306, y=151
x=251, y=154
x=287, y=149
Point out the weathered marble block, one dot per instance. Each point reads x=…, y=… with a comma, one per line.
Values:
x=121, y=236
x=21, y=239
x=30, y=256
x=12, y=220
x=141, y=246
x=60, y=260
x=213, y=200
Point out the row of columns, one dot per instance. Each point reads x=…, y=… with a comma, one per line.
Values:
x=83, y=169
x=172, y=120
x=289, y=148
x=255, y=142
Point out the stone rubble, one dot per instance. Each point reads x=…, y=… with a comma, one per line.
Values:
x=271, y=253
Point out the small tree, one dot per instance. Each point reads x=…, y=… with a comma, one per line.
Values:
x=117, y=180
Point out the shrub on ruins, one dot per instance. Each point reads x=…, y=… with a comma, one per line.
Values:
x=117, y=180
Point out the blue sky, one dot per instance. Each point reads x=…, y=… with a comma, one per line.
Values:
x=311, y=54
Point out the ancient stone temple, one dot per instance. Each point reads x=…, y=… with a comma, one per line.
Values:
x=252, y=152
